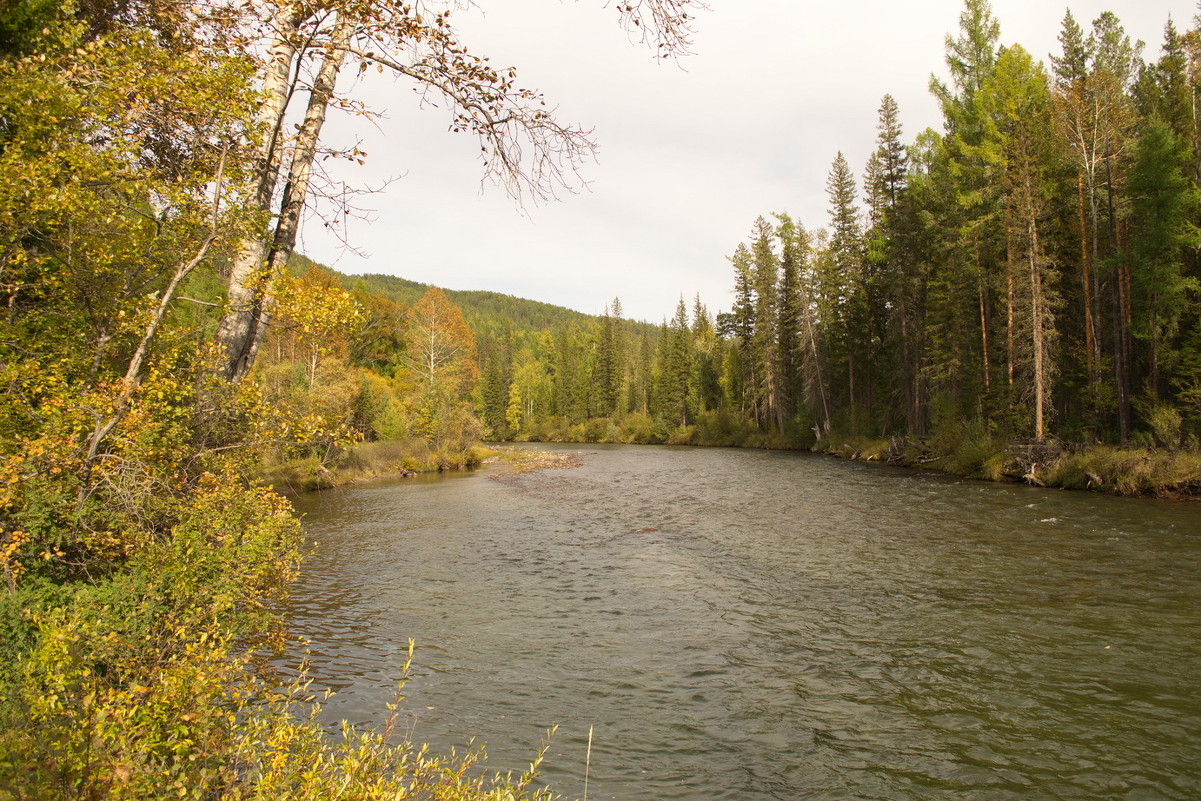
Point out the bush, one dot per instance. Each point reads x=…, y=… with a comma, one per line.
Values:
x=601, y=429
x=1166, y=423
x=1133, y=471
x=681, y=435
x=637, y=427
x=721, y=428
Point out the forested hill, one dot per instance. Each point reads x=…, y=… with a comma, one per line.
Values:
x=489, y=314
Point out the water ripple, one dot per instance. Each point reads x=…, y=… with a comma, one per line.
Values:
x=756, y=625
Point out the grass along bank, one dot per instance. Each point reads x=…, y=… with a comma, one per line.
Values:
x=1132, y=471
x=962, y=449
x=365, y=461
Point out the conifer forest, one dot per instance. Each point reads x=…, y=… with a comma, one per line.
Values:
x=1029, y=271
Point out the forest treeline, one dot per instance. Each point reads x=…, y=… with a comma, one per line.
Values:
x=1031, y=272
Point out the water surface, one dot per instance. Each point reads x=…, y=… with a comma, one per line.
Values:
x=760, y=625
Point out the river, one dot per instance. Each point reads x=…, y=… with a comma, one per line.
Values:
x=769, y=625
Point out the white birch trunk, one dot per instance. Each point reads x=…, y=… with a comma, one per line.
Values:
x=246, y=320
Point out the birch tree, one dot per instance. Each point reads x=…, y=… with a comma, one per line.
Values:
x=304, y=48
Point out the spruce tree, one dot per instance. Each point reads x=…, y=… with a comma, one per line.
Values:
x=793, y=244
x=1017, y=145
x=971, y=59
x=890, y=261
x=765, y=351
x=844, y=288
x=1164, y=202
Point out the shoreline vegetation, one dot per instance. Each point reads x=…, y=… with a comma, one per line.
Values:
x=374, y=461
x=1127, y=472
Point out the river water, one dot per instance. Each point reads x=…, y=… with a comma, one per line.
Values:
x=765, y=625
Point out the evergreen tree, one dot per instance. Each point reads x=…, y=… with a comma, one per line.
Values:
x=1164, y=202
x=1084, y=107
x=971, y=59
x=1017, y=144
x=609, y=374
x=676, y=363
x=793, y=244
x=950, y=327
x=741, y=329
x=903, y=281
x=572, y=374
x=843, y=282
x=743, y=313
x=888, y=261
x=643, y=374
x=1117, y=64
x=706, y=379
x=764, y=351
x=494, y=386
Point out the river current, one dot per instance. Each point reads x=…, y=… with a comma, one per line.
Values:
x=766, y=625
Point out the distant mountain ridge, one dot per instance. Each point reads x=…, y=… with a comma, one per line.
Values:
x=488, y=314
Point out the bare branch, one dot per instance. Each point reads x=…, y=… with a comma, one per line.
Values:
x=523, y=148
x=665, y=25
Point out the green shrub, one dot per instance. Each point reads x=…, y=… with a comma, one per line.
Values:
x=681, y=435
x=637, y=427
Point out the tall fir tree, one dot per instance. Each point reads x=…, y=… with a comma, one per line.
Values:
x=1018, y=146
x=844, y=290
x=1164, y=202
x=765, y=345
x=971, y=60
x=794, y=243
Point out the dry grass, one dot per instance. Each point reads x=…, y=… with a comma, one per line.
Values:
x=1119, y=471
x=1131, y=471
x=512, y=461
x=366, y=461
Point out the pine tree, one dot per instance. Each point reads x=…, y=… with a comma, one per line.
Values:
x=950, y=326
x=706, y=379
x=844, y=289
x=610, y=369
x=971, y=60
x=1164, y=201
x=891, y=252
x=793, y=244
x=572, y=374
x=1094, y=116
x=1017, y=144
x=888, y=261
x=741, y=330
x=743, y=313
x=764, y=350
x=495, y=380
x=675, y=370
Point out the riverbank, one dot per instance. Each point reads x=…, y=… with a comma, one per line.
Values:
x=405, y=459
x=962, y=451
x=1129, y=471
x=367, y=461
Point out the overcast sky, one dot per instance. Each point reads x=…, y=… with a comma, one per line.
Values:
x=691, y=152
